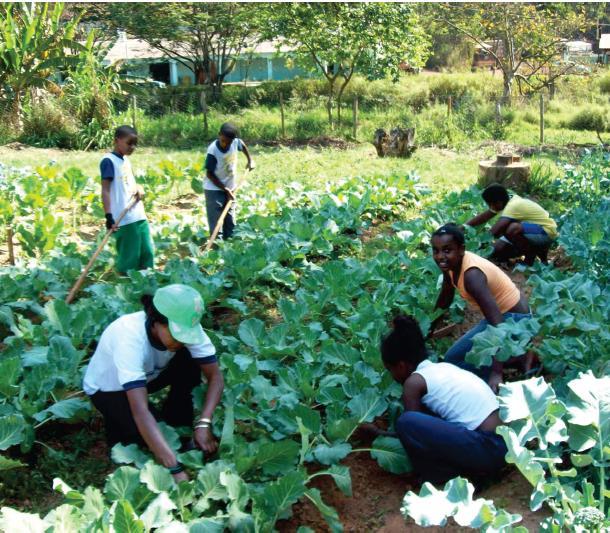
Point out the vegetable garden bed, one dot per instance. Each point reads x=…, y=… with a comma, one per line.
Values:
x=308, y=300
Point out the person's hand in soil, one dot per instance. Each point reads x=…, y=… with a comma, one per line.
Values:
x=180, y=476
x=205, y=440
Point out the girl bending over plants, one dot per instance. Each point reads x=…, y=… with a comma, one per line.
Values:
x=140, y=353
x=484, y=286
x=450, y=418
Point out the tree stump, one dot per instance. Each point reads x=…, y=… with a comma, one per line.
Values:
x=399, y=143
x=508, y=170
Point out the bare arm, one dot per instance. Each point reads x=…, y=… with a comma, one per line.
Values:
x=475, y=283
x=214, y=179
x=244, y=149
x=216, y=385
x=204, y=436
x=413, y=391
x=499, y=228
x=148, y=427
x=446, y=295
x=481, y=218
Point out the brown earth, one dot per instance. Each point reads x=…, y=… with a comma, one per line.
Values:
x=377, y=494
x=377, y=498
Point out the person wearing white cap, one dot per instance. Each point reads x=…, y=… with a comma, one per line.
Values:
x=143, y=352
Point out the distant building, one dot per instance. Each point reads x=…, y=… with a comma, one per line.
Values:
x=144, y=62
x=604, y=47
x=483, y=57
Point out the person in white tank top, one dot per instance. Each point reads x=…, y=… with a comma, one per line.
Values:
x=448, y=426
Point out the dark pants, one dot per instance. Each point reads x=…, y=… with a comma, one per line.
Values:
x=215, y=202
x=441, y=450
x=456, y=355
x=182, y=375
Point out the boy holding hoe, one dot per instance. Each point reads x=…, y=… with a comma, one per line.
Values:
x=221, y=176
x=133, y=242
x=524, y=228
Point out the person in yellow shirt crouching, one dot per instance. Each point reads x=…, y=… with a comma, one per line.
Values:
x=523, y=229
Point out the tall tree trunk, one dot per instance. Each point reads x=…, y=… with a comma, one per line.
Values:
x=346, y=80
x=15, y=116
x=329, y=103
x=508, y=87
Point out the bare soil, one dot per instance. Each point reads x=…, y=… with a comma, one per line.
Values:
x=377, y=498
x=377, y=494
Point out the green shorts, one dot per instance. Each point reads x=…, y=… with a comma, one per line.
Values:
x=134, y=247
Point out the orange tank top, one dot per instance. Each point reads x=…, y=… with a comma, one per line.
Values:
x=504, y=291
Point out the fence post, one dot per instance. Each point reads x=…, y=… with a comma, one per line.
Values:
x=355, y=116
x=498, y=111
x=133, y=110
x=541, y=118
x=449, y=105
x=204, y=110
x=9, y=240
x=282, y=115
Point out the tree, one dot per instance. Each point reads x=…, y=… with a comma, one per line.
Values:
x=525, y=39
x=204, y=37
x=33, y=47
x=340, y=39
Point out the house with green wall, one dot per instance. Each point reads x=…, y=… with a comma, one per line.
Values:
x=262, y=62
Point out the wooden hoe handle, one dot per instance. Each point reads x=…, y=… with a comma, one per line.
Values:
x=221, y=219
x=97, y=252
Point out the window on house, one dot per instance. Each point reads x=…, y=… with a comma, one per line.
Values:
x=159, y=72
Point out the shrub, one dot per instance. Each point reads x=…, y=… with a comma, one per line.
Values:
x=45, y=124
x=530, y=117
x=604, y=84
x=306, y=126
x=592, y=118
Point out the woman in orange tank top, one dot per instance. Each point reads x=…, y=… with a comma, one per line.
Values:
x=483, y=285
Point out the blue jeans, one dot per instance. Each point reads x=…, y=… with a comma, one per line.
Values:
x=441, y=450
x=463, y=345
x=215, y=202
x=535, y=234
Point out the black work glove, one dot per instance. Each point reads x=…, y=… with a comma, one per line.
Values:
x=109, y=221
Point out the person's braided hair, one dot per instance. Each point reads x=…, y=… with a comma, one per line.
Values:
x=404, y=343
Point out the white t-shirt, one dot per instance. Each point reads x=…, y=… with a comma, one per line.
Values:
x=223, y=164
x=125, y=359
x=118, y=171
x=456, y=395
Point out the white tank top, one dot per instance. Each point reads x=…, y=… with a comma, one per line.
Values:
x=122, y=188
x=456, y=395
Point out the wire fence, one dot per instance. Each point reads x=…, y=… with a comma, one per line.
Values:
x=182, y=117
x=289, y=116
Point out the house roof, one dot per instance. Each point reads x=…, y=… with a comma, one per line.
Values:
x=604, y=41
x=128, y=49
x=578, y=46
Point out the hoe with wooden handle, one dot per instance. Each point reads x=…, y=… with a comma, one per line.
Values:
x=222, y=217
x=97, y=252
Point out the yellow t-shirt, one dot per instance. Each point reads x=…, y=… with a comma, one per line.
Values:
x=525, y=210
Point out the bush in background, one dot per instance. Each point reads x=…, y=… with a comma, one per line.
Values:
x=592, y=118
x=47, y=125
